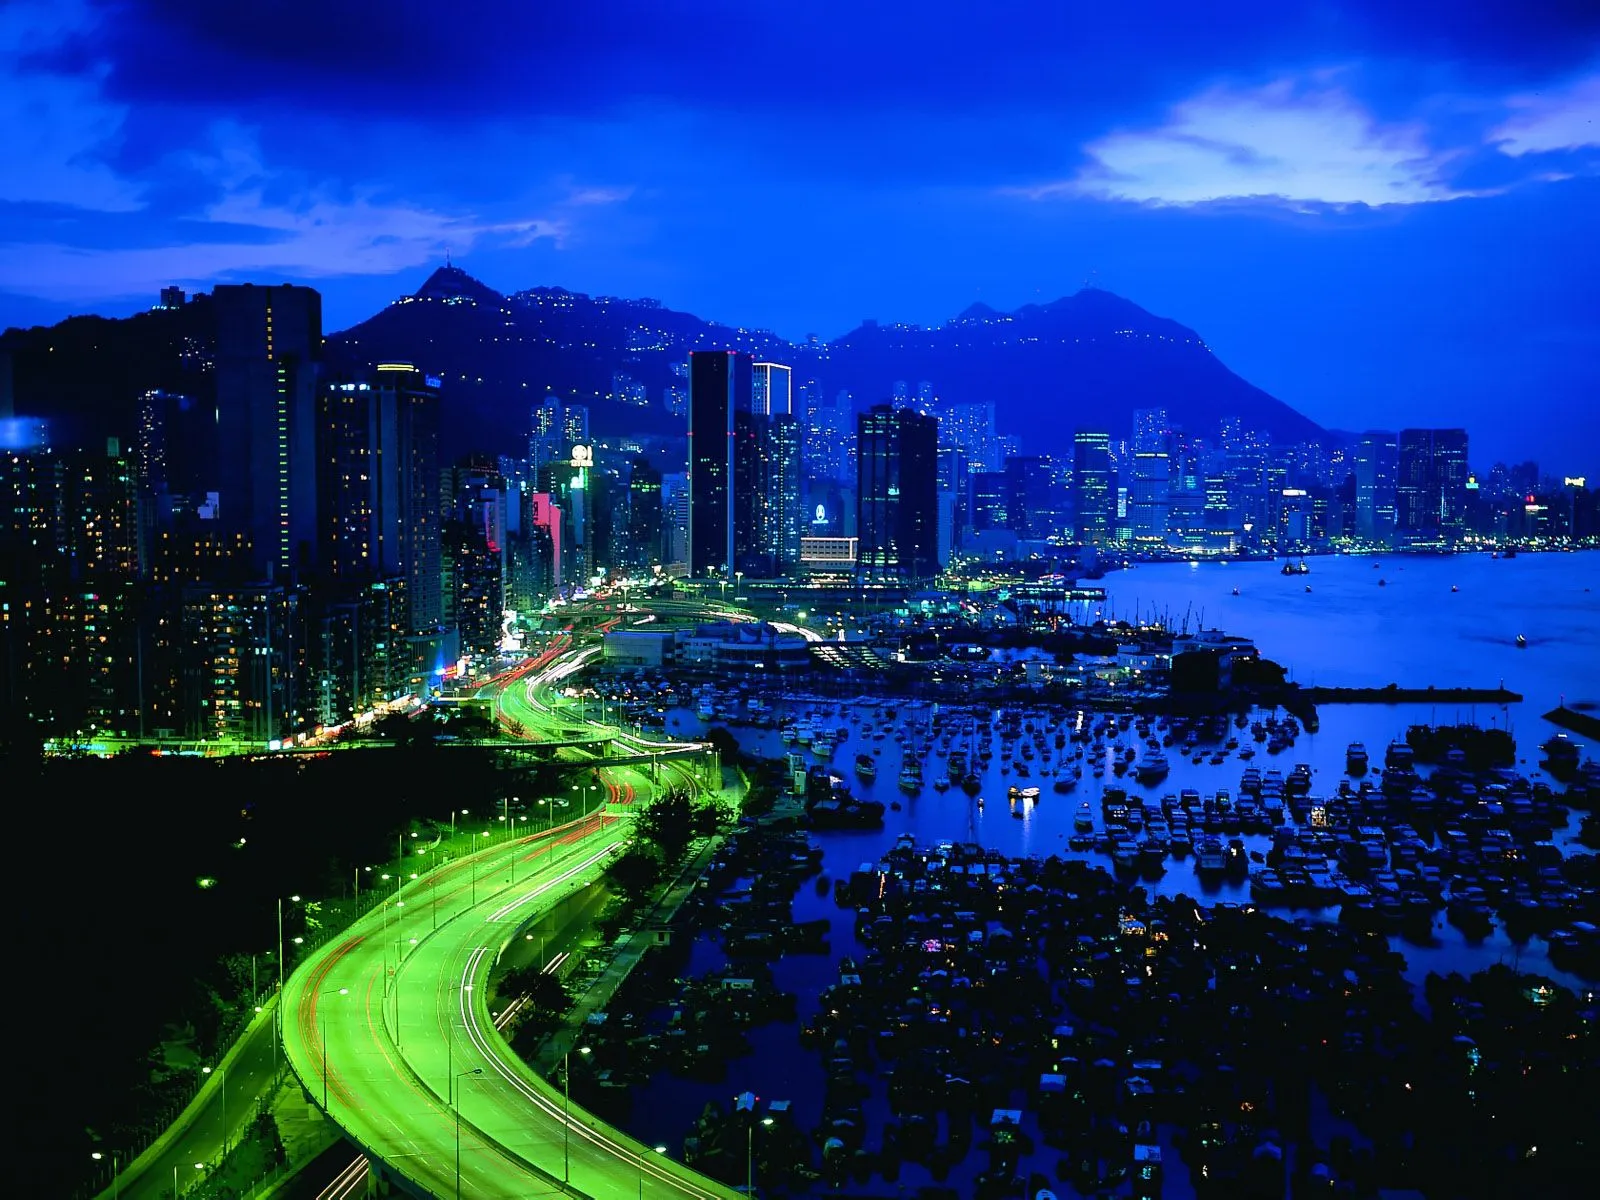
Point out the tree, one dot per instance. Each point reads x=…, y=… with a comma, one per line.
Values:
x=668, y=822
x=637, y=871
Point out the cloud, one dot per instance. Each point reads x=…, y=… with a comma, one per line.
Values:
x=1566, y=119
x=56, y=128
x=1312, y=146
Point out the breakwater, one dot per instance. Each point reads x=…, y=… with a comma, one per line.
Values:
x=1584, y=724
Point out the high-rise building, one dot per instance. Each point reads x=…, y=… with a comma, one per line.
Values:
x=1151, y=431
x=785, y=514
x=644, y=514
x=1431, y=490
x=474, y=542
x=897, y=493
x=1377, y=464
x=720, y=383
x=772, y=390
x=243, y=662
x=1149, y=496
x=1032, y=502
x=378, y=486
x=1094, y=493
x=269, y=346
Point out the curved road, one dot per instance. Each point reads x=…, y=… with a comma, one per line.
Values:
x=388, y=1024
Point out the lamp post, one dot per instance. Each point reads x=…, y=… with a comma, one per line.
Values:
x=116, y=1182
x=566, y=1113
x=344, y=991
x=222, y=1076
x=738, y=586
x=455, y=1091
x=750, y=1156
x=277, y=1020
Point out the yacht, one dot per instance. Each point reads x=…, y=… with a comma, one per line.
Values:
x=1152, y=766
x=1209, y=857
x=1355, y=759
x=911, y=776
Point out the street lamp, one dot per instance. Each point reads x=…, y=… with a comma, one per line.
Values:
x=277, y=1021
x=344, y=991
x=566, y=1113
x=750, y=1156
x=455, y=1091
x=116, y=1181
x=222, y=1076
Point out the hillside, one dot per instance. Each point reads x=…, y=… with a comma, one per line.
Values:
x=1084, y=361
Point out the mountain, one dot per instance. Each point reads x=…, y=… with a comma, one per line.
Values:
x=1084, y=361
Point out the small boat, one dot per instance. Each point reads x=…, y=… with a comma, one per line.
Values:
x=1355, y=759
x=866, y=768
x=1454, y=588
x=1235, y=591
x=1522, y=642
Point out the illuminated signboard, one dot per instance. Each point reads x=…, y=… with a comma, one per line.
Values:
x=583, y=456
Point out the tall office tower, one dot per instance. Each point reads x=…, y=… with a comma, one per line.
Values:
x=785, y=515
x=970, y=427
x=1032, y=500
x=897, y=493
x=645, y=547
x=474, y=542
x=575, y=423
x=925, y=396
x=772, y=390
x=377, y=486
x=1377, y=465
x=1231, y=433
x=987, y=501
x=243, y=663
x=675, y=520
x=1221, y=521
x=1149, y=496
x=720, y=384
x=269, y=347
x=1094, y=493
x=1248, y=487
x=675, y=397
x=954, y=474
x=1431, y=489
x=830, y=440
x=1151, y=430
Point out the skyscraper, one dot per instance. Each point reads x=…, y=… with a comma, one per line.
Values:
x=1150, y=495
x=1431, y=493
x=720, y=386
x=785, y=511
x=897, y=493
x=269, y=345
x=378, y=485
x=772, y=393
x=1151, y=430
x=644, y=514
x=1094, y=493
x=1377, y=461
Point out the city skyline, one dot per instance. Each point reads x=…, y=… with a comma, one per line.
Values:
x=1365, y=211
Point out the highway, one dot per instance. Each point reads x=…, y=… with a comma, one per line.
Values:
x=387, y=1025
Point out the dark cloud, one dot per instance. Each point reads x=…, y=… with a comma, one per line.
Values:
x=423, y=61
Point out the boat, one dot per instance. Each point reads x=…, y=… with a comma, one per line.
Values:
x=1522, y=642
x=911, y=776
x=1299, y=568
x=866, y=768
x=1235, y=591
x=1083, y=821
x=941, y=784
x=1152, y=766
x=1209, y=857
x=1355, y=758
x=971, y=784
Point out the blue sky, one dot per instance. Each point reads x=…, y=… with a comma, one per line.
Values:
x=1383, y=213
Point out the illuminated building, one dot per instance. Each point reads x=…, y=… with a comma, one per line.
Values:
x=242, y=666
x=1093, y=489
x=720, y=386
x=897, y=493
x=1377, y=462
x=269, y=343
x=1431, y=492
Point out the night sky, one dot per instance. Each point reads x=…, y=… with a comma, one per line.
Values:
x=1383, y=213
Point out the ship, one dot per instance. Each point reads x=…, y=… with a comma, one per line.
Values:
x=1292, y=568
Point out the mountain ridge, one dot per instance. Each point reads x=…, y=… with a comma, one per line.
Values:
x=1083, y=360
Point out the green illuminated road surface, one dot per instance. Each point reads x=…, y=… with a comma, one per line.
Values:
x=396, y=1009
